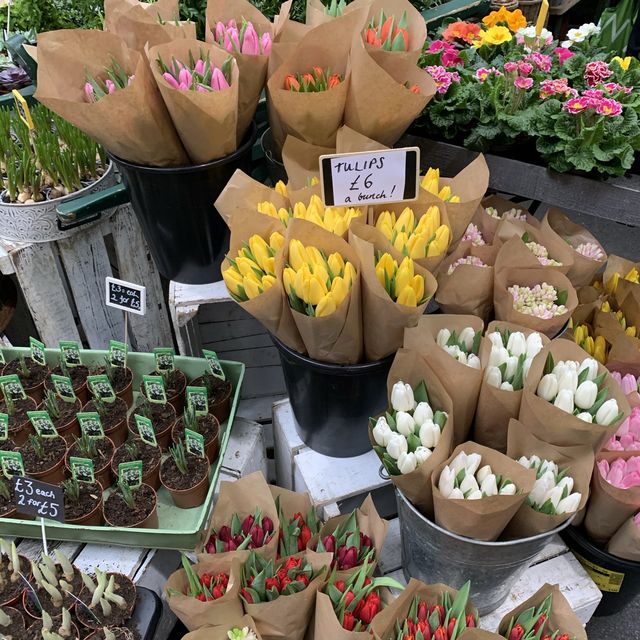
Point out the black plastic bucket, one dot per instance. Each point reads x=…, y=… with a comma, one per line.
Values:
x=273, y=159
x=332, y=403
x=618, y=579
x=174, y=205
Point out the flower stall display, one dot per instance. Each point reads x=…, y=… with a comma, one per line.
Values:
x=625, y=542
x=497, y=209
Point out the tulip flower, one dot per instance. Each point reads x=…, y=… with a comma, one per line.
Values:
x=446, y=482
x=254, y=531
x=493, y=377
x=590, y=365
x=568, y=379
x=382, y=432
x=585, y=416
x=429, y=434
x=422, y=454
x=396, y=446
x=508, y=489
x=402, y=398
x=548, y=387
x=316, y=81
x=506, y=386
x=586, y=394
x=405, y=424
x=608, y=413
x=116, y=78
x=431, y=183
x=422, y=413
x=463, y=348
x=401, y=283
x=407, y=463
x=564, y=400
x=517, y=344
x=489, y=486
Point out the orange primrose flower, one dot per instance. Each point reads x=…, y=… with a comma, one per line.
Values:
x=465, y=31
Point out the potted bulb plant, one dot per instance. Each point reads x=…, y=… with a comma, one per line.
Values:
x=109, y=600
x=82, y=502
x=113, y=633
x=131, y=507
x=19, y=427
x=32, y=375
x=11, y=623
x=121, y=378
x=7, y=507
x=206, y=425
x=113, y=416
x=63, y=413
x=78, y=375
x=43, y=458
x=219, y=392
x=175, y=381
x=11, y=576
x=162, y=416
x=99, y=451
x=137, y=449
x=185, y=476
x=48, y=629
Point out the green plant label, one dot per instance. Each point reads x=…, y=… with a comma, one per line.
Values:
x=130, y=473
x=198, y=399
x=214, y=364
x=118, y=353
x=64, y=387
x=12, y=387
x=82, y=469
x=70, y=352
x=90, y=425
x=37, y=351
x=154, y=389
x=12, y=464
x=194, y=443
x=4, y=427
x=165, y=359
x=100, y=387
x=2, y=358
x=42, y=424
x=145, y=430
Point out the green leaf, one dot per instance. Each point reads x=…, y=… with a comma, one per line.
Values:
x=549, y=364
x=562, y=296
x=420, y=393
x=475, y=346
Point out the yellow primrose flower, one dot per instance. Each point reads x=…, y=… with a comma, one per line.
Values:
x=623, y=62
x=496, y=35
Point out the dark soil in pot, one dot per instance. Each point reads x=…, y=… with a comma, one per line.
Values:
x=175, y=384
x=114, y=421
x=67, y=410
x=19, y=419
x=209, y=427
x=90, y=498
x=37, y=373
x=163, y=417
x=54, y=453
x=149, y=455
x=7, y=505
x=173, y=478
x=78, y=377
x=16, y=627
x=118, y=514
x=118, y=617
x=219, y=392
x=101, y=459
x=34, y=632
x=11, y=592
x=122, y=377
x=45, y=598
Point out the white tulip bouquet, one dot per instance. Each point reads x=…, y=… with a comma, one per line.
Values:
x=463, y=347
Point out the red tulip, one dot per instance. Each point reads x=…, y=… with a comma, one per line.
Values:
x=218, y=591
x=246, y=595
x=224, y=534
x=257, y=536
x=564, y=636
x=339, y=585
x=271, y=583
x=517, y=632
x=423, y=610
x=387, y=27
x=267, y=525
x=348, y=621
x=368, y=612
x=304, y=537
x=452, y=626
x=471, y=621
x=539, y=622
x=348, y=598
x=247, y=523
x=440, y=609
x=440, y=634
x=329, y=544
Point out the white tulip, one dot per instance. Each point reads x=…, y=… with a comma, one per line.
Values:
x=382, y=432
x=422, y=413
x=446, y=481
x=468, y=484
x=483, y=472
x=548, y=465
x=467, y=336
x=397, y=446
x=592, y=365
x=473, y=361
x=493, y=377
x=535, y=461
x=534, y=344
x=555, y=495
x=407, y=463
x=472, y=463
x=572, y=365
x=511, y=368
x=459, y=462
x=608, y=412
x=462, y=357
x=402, y=397
x=506, y=386
x=526, y=365
x=564, y=400
x=566, y=483
x=456, y=494
x=586, y=394
x=517, y=344
x=541, y=487
x=496, y=339
x=560, y=368
x=508, y=490
x=569, y=504
x=405, y=424
x=585, y=415
x=548, y=387
x=428, y=434
x=475, y=495
x=568, y=379
x=443, y=337
x=489, y=486
x=524, y=461
x=498, y=356
x=422, y=454
x=453, y=350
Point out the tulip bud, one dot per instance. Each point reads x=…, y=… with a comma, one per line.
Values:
x=566, y=483
x=585, y=415
x=473, y=361
x=483, y=472
x=459, y=462
x=407, y=463
x=456, y=494
x=517, y=344
x=422, y=413
x=517, y=633
x=548, y=387
x=468, y=484
x=489, y=486
x=466, y=338
x=568, y=379
x=498, y=356
x=396, y=446
x=608, y=412
x=555, y=495
x=422, y=454
x=429, y=431
x=534, y=344
x=526, y=365
x=405, y=424
x=446, y=481
x=496, y=339
x=493, y=377
x=472, y=463
x=508, y=489
x=506, y=386
x=569, y=504
x=592, y=365
x=511, y=368
x=475, y=495
x=564, y=400
x=382, y=432
x=402, y=397
x=443, y=337
x=586, y=394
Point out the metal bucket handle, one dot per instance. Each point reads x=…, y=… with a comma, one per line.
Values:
x=85, y=209
x=383, y=473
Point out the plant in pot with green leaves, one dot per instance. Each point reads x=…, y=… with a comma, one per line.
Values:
x=175, y=381
x=154, y=406
x=109, y=600
x=43, y=457
x=185, y=472
x=131, y=506
x=32, y=371
x=63, y=410
x=144, y=450
x=116, y=369
x=43, y=167
x=70, y=366
x=17, y=409
x=12, y=576
x=7, y=506
x=99, y=449
x=12, y=625
x=111, y=410
x=219, y=389
x=47, y=628
x=82, y=502
x=196, y=418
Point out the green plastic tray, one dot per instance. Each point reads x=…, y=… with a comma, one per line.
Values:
x=179, y=528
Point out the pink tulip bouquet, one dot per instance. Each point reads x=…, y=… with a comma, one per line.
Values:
x=198, y=75
x=621, y=473
x=627, y=437
x=117, y=78
x=244, y=40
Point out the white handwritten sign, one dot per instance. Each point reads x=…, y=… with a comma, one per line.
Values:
x=357, y=179
x=126, y=296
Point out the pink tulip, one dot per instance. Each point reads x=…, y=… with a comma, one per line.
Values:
x=633, y=422
x=231, y=41
x=603, y=467
x=629, y=384
x=617, y=376
x=171, y=81
x=633, y=465
x=199, y=67
x=232, y=24
x=627, y=440
x=88, y=92
x=631, y=480
x=218, y=81
x=185, y=78
x=220, y=31
x=265, y=41
x=614, y=445
x=250, y=41
x=111, y=86
x=202, y=89
x=616, y=472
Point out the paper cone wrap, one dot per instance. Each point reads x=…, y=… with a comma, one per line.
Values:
x=626, y=542
x=167, y=10
x=220, y=632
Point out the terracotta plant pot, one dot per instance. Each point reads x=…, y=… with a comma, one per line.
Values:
x=12, y=513
x=17, y=596
x=127, y=393
x=116, y=433
x=17, y=625
x=189, y=498
x=75, y=632
x=150, y=476
x=70, y=430
x=92, y=519
x=103, y=475
x=150, y=521
x=20, y=433
x=81, y=391
x=220, y=409
x=37, y=390
x=89, y=623
x=55, y=474
x=177, y=399
x=163, y=438
x=211, y=448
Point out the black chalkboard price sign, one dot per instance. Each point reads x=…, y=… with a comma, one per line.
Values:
x=126, y=296
x=39, y=499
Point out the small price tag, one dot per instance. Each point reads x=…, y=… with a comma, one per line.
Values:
x=118, y=353
x=82, y=469
x=130, y=473
x=39, y=499
x=198, y=399
x=23, y=109
x=165, y=359
x=214, y=364
x=37, y=351
x=154, y=389
x=100, y=386
x=90, y=425
x=70, y=352
x=361, y=179
x=11, y=463
x=194, y=443
x=64, y=387
x=145, y=430
x=42, y=424
x=126, y=296
x=4, y=427
x=12, y=387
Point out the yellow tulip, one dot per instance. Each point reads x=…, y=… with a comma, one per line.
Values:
x=336, y=264
x=331, y=216
x=276, y=241
x=340, y=227
x=339, y=290
x=417, y=246
x=314, y=181
x=349, y=274
x=268, y=208
x=401, y=241
x=233, y=280
x=270, y=266
x=326, y=306
x=301, y=283
x=633, y=276
x=297, y=255
x=417, y=283
x=599, y=349
x=404, y=274
x=316, y=201
x=251, y=288
x=441, y=241
x=631, y=331
x=432, y=175
x=430, y=185
x=406, y=221
x=445, y=193
x=387, y=264
x=317, y=289
x=288, y=278
x=247, y=266
x=299, y=210
x=407, y=297
x=588, y=345
x=612, y=285
x=580, y=333
x=454, y=199
x=313, y=215
x=281, y=188
x=260, y=250
x=320, y=271
x=315, y=257
x=268, y=281
x=605, y=306
x=284, y=216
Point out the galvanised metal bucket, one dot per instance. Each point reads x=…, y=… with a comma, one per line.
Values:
x=433, y=554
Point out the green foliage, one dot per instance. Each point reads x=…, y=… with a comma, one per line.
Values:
x=48, y=15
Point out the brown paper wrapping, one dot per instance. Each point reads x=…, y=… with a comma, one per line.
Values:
x=220, y=632
x=336, y=338
x=624, y=355
x=626, y=542
x=489, y=225
x=461, y=382
x=562, y=617
x=497, y=406
x=286, y=35
x=479, y=634
x=243, y=496
x=411, y=368
x=609, y=506
x=253, y=69
x=167, y=10
x=315, y=14
x=616, y=264
x=205, y=122
x=384, y=320
x=388, y=116
x=468, y=290
x=554, y=425
x=350, y=141
x=583, y=269
x=483, y=519
x=132, y=123
x=579, y=460
x=326, y=626
x=301, y=161
x=271, y=307
x=287, y=617
x=313, y=117
x=503, y=301
x=195, y=614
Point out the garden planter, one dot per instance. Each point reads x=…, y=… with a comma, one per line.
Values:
x=219, y=395
x=149, y=455
x=34, y=385
x=16, y=627
x=78, y=377
x=29, y=606
x=328, y=400
x=67, y=424
x=175, y=387
x=184, y=493
x=122, y=383
x=209, y=427
x=88, y=510
x=19, y=426
x=101, y=460
x=163, y=419
x=49, y=467
x=143, y=516
x=125, y=588
x=114, y=422
x=34, y=632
